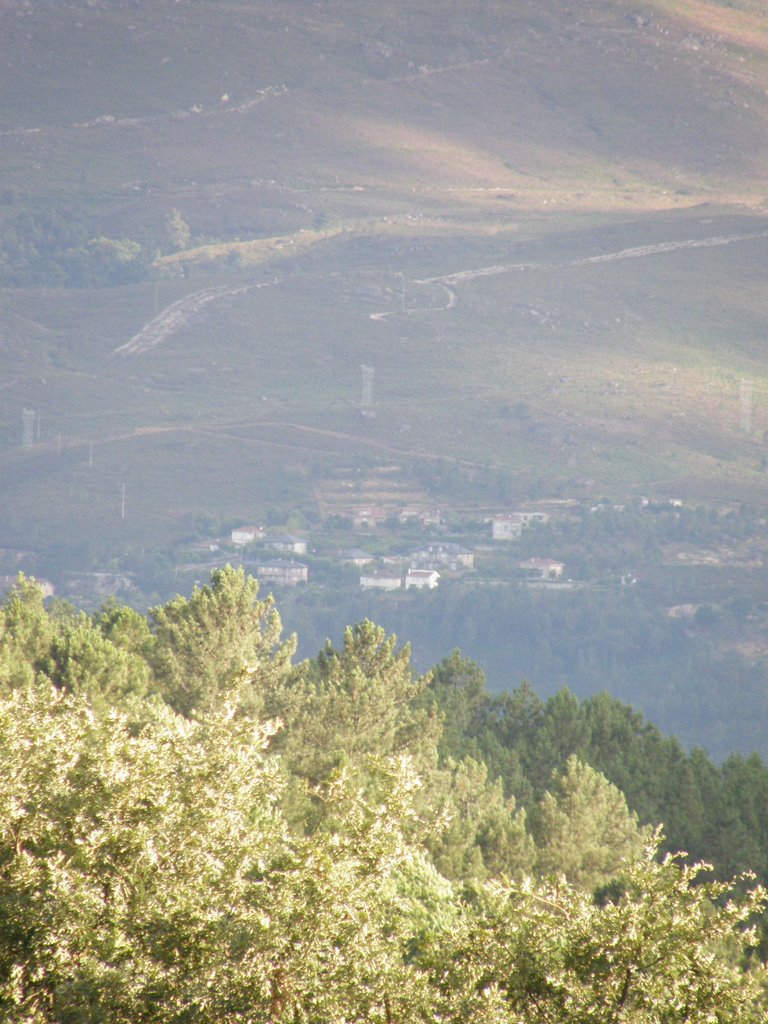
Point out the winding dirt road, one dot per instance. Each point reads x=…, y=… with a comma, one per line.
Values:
x=638, y=252
x=110, y=121
x=178, y=315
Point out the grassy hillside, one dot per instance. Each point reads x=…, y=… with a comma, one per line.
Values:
x=544, y=227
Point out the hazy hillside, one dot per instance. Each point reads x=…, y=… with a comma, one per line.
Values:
x=543, y=225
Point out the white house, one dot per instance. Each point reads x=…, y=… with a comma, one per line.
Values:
x=246, y=534
x=506, y=527
x=354, y=556
x=510, y=525
x=422, y=579
x=394, y=561
x=380, y=579
x=443, y=553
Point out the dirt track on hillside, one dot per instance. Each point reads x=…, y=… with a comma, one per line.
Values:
x=110, y=121
x=654, y=249
x=227, y=431
x=178, y=315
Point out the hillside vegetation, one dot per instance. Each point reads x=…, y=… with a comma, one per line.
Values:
x=543, y=226
x=194, y=826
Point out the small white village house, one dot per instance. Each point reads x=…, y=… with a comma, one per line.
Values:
x=354, y=556
x=381, y=579
x=246, y=534
x=510, y=525
x=395, y=561
x=454, y=556
x=422, y=579
x=506, y=527
x=288, y=543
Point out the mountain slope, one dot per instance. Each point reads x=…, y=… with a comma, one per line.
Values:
x=543, y=226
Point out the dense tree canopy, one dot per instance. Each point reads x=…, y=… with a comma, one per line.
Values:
x=193, y=828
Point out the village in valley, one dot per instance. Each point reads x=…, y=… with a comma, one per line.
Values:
x=373, y=548
x=387, y=530
x=389, y=550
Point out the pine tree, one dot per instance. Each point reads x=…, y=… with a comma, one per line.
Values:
x=360, y=700
x=583, y=829
x=485, y=833
x=207, y=641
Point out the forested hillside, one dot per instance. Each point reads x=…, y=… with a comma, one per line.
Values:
x=196, y=826
x=676, y=670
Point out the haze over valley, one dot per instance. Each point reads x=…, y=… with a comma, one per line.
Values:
x=286, y=264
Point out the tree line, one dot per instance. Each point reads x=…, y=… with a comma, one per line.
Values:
x=67, y=248
x=196, y=826
x=621, y=639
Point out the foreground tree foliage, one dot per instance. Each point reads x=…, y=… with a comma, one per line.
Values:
x=150, y=875
x=549, y=953
x=165, y=861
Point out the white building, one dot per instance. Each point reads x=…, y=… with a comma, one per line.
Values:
x=510, y=525
x=289, y=574
x=288, y=543
x=422, y=579
x=354, y=556
x=454, y=556
x=506, y=527
x=380, y=579
x=246, y=534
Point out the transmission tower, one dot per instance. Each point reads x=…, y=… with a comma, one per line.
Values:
x=745, y=400
x=28, y=428
x=367, y=385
